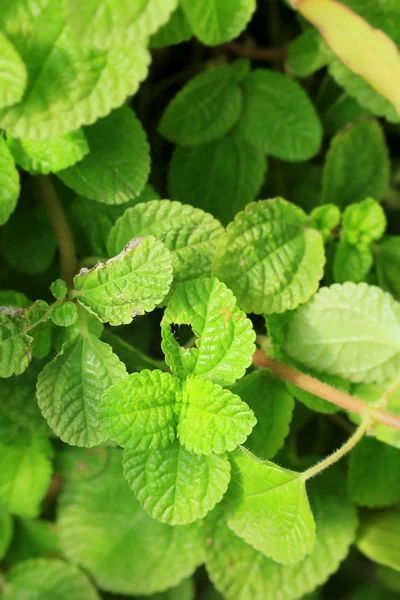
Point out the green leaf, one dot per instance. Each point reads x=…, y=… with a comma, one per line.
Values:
x=364, y=222
x=269, y=258
x=49, y=156
x=33, y=538
x=190, y=234
x=324, y=219
x=375, y=395
x=220, y=177
x=109, y=23
x=174, y=485
x=342, y=111
x=103, y=529
x=205, y=110
x=362, y=92
x=43, y=578
x=175, y=31
x=240, y=572
x=138, y=412
x=133, y=358
x=218, y=21
x=71, y=386
x=387, y=260
x=66, y=334
x=272, y=404
x=117, y=166
x=127, y=285
x=351, y=262
x=25, y=473
x=59, y=289
x=278, y=117
x=378, y=537
x=306, y=53
x=68, y=85
x=27, y=240
x=9, y=183
x=6, y=531
x=374, y=474
x=356, y=165
x=15, y=345
x=14, y=299
x=348, y=330
x=18, y=399
x=12, y=74
x=212, y=419
x=268, y=507
x=225, y=337
x=65, y=314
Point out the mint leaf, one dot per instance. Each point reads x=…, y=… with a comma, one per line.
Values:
x=15, y=344
x=364, y=222
x=103, y=529
x=348, y=330
x=351, y=262
x=117, y=166
x=24, y=465
x=209, y=307
x=306, y=53
x=70, y=388
x=68, y=85
x=49, y=156
x=269, y=258
x=325, y=218
x=59, y=289
x=356, y=165
x=374, y=474
x=278, y=117
x=65, y=314
x=272, y=404
x=205, y=110
x=212, y=419
x=109, y=23
x=220, y=177
x=43, y=577
x=387, y=260
x=6, y=531
x=138, y=412
x=127, y=285
x=378, y=537
x=9, y=183
x=218, y=21
x=190, y=234
x=175, y=31
x=12, y=73
x=268, y=507
x=174, y=485
x=133, y=358
x=256, y=577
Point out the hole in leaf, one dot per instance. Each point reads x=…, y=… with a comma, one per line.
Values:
x=184, y=335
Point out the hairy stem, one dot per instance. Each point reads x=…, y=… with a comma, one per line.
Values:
x=325, y=391
x=267, y=54
x=340, y=452
x=61, y=228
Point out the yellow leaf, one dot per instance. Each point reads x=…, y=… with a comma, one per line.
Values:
x=366, y=51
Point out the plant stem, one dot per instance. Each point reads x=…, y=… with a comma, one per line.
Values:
x=325, y=391
x=340, y=452
x=267, y=54
x=61, y=228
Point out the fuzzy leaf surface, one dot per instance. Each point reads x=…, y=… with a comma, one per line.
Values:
x=190, y=234
x=269, y=258
x=138, y=412
x=350, y=330
x=117, y=166
x=278, y=117
x=211, y=419
x=268, y=507
x=225, y=337
x=104, y=529
x=71, y=386
x=12, y=73
x=174, y=485
x=127, y=285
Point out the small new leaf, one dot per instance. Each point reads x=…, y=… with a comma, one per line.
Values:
x=363, y=223
x=174, y=485
x=225, y=337
x=268, y=507
x=211, y=419
x=138, y=412
x=127, y=285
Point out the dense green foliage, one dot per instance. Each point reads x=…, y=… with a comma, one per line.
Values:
x=175, y=372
